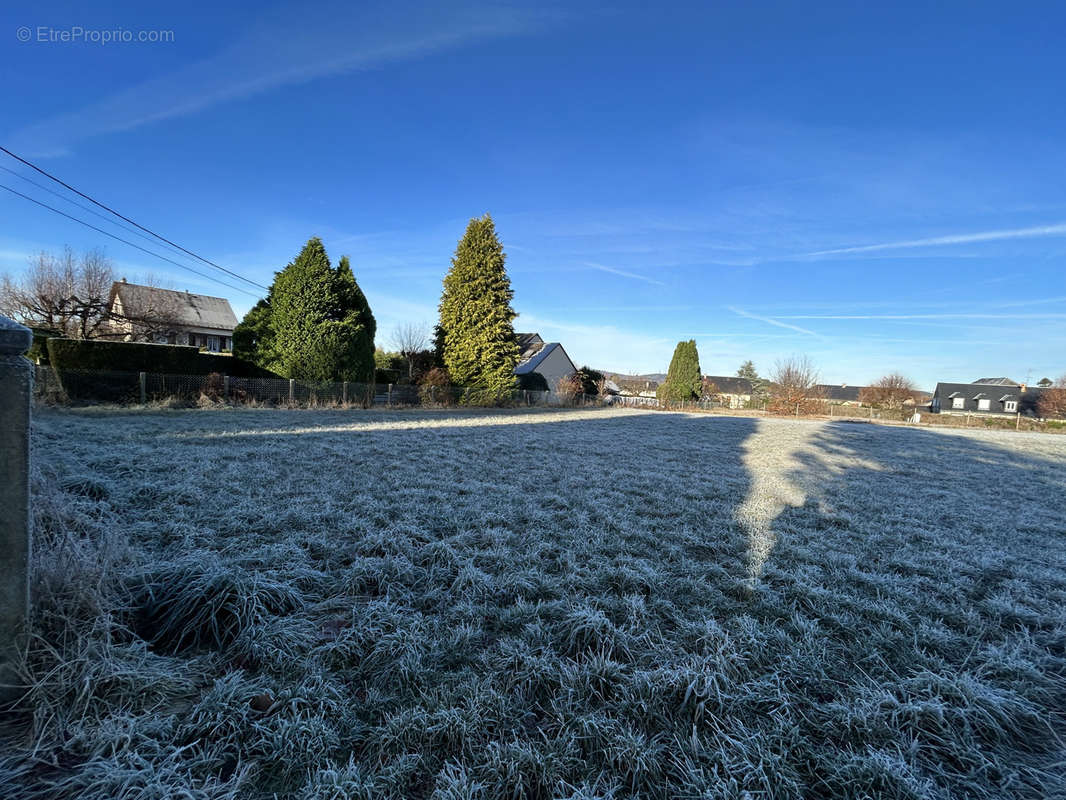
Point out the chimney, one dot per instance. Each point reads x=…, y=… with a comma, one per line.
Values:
x=123, y=279
x=1021, y=387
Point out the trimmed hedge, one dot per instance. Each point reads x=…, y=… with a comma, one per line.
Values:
x=38, y=352
x=169, y=359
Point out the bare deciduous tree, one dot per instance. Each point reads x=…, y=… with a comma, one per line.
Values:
x=890, y=392
x=794, y=387
x=1052, y=402
x=410, y=339
x=71, y=296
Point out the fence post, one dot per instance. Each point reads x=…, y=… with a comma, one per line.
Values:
x=292, y=391
x=225, y=388
x=16, y=391
x=388, y=400
x=141, y=380
x=344, y=392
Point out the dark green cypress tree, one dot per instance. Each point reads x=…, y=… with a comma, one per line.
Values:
x=253, y=338
x=361, y=320
x=684, y=381
x=476, y=317
x=321, y=325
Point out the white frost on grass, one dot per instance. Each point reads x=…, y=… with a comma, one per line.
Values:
x=534, y=604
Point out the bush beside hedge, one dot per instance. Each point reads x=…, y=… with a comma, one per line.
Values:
x=169, y=359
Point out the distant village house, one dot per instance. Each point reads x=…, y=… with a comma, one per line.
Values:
x=548, y=359
x=150, y=314
x=993, y=396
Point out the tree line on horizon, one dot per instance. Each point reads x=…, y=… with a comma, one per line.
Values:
x=316, y=324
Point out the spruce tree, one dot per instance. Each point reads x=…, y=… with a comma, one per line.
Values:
x=758, y=384
x=684, y=381
x=476, y=317
x=316, y=324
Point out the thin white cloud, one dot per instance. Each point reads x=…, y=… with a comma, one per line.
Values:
x=771, y=321
x=921, y=316
x=288, y=46
x=623, y=273
x=965, y=238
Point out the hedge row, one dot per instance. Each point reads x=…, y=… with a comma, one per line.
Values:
x=170, y=359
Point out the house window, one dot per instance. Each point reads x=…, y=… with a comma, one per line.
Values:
x=212, y=344
x=958, y=402
x=1010, y=405
x=983, y=404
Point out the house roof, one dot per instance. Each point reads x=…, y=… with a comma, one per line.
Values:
x=729, y=384
x=528, y=344
x=184, y=308
x=997, y=382
x=537, y=358
x=842, y=392
x=972, y=391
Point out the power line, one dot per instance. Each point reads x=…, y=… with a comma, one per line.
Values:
x=95, y=202
x=126, y=241
x=85, y=208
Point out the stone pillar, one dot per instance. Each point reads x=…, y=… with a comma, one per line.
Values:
x=16, y=390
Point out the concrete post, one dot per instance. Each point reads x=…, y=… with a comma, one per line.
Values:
x=225, y=388
x=16, y=391
x=344, y=393
x=292, y=391
x=389, y=400
x=141, y=383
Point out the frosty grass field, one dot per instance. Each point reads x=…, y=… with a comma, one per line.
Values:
x=535, y=604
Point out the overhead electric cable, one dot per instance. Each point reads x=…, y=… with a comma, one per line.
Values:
x=107, y=208
x=126, y=241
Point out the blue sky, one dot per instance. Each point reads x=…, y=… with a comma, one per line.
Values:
x=879, y=188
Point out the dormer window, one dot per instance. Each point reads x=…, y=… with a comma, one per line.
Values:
x=958, y=401
x=1010, y=406
x=983, y=404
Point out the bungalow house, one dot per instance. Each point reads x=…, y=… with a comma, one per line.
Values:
x=731, y=392
x=147, y=313
x=994, y=396
x=549, y=359
x=841, y=394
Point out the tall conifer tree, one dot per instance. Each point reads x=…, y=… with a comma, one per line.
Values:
x=316, y=324
x=476, y=317
x=684, y=381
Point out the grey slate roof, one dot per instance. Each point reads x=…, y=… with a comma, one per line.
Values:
x=997, y=382
x=528, y=344
x=728, y=384
x=187, y=309
x=530, y=364
x=996, y=392
x=841, y=393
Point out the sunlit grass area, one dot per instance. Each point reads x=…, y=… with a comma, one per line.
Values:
x=540, y=604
